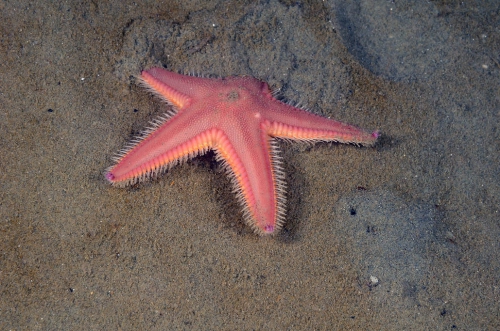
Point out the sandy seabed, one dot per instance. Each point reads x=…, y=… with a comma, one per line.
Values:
x=402, y=236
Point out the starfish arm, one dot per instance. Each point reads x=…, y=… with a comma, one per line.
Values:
x=255, y=171
x=156, y=82
x=177, y=89
x=292, y=123
x=164, y=145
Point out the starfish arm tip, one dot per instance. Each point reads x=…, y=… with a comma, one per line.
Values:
x=269, y=229
x=109, y=177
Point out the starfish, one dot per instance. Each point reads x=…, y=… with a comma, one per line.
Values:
x=238, y=118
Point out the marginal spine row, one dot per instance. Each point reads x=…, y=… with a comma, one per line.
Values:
x=280, y=184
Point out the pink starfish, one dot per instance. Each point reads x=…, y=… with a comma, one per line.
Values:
x=238, y=118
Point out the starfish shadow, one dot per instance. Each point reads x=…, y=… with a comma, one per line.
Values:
x=296, y=188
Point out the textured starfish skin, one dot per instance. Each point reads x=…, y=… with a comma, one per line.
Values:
x=238, y=118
